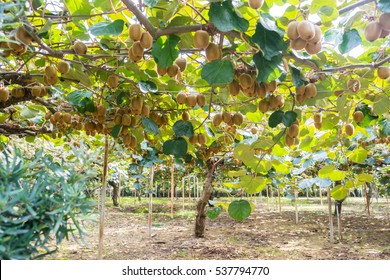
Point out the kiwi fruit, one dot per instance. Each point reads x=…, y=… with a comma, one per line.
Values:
x=289, y=141
x=217, y=119
x=213, y=52
x=270, y=87
x=317, y=37
x=292, y=32
x=50, y=80
x=353, y=85
x=384, y=21
x=185, y=116
x=298, y=44
x=300, y=99
x=63, y=67
x=67, y=118
x=201, y=100
x=318, y=125
x=254, y=130
x=161, y=71
x=50, y=71
x=338, y=92
x=358, y=116
x=102, y=110
x=383, y=72
x=313, y=48
x=126, y=120
x=255, y=4
x=17, y=92
x=300, y=90
x=372, y=31
x=264, y=106
x=306, y=30
x=245, y=81
x=137, y=49
x=279, y=101
x=384, y=34
x=22, y=36
x=182, y=63
x=136, y=105
x=202, y=139
x=310, y=90
x=133, y=142
x=238, y=119
x=146, y=40
x=193, y=139
x=201, y=39
x=4, y=94
x=135, y=32
x=349, y=129
x=36, y=91
x=293, y=130
x=48, y=115
x=191, y=101
x=172, y=70
x=145, y=110
x=273, y=102
x=317, y=117
x=112, y=81
x=181, y=98
x=16, y=47
x=260, y=90
x=234, y=88
x=226, y=117
x=132, y=56
x=80, y=48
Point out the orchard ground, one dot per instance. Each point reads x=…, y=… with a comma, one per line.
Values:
x=266, y=234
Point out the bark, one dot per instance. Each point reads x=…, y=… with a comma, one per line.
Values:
x=200, y=223
x=115, y=193
x=103, y=199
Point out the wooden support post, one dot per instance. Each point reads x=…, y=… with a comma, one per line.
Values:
x=150, y=201
x=183, y=190
x=172, y=187
x=331, y=229
x=296, y=205
x=320, y=190
x=280, y=205
x=103, y=200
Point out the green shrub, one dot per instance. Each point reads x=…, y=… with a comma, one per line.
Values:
x=40, y=199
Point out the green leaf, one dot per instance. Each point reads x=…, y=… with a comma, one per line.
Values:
x=177, y=147
x=384, y=127
x=337, y=175
x=224, y=17
x=82, y=100
x=166, y=52
x=238, y=173
x=218, y=72
x=325, y=171
x=384, y=6
x=150, y=125
x=269, y=70
x=147, y=86
x=351, y=39
x=270, y=41
x=296, y=76
x=275, y=118
x=116, y=130
x=359, y=155
x=381, y=104
x=183, y=128
x=325, y=9
x=107, y=28
x=78, y=8
x=252, y=184
x=151, y=3
x=239, y=210
x=365, y=178
x=289, y=117
x=214, y=213
x=339, y=192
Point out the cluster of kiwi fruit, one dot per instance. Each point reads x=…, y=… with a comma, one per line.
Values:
x=50, y=77
x=191, y=100
x=375, y=30
x=305, y=35
x=202, y=41
x=142, y=40
x=292, y=133
x=249, y=86
x=20, y=39
x=158, y=118
x=63, y=121
x=385, y=140
x=175, y=69
x=229, y=118
x=200, y=139
x=305, y=92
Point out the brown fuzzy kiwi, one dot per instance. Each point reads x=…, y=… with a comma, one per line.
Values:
x=213, y=52
x=138, y=50
x=201, y=39
x=249, y=91
x=63, y=67
x=260, y=90
x=118, y=119
x=254, y=130
x=317, y=37
x=80, y=48
x=293, y=130
x=201, y=100
x=102, y=110
x=318, y=125
x=384, y=21
x=217, y=119
x=353, y=85
x=193, y=139
x=245, y=81
x=238, y=119
x=317, y=117
x=202, y=139
x=161, y=71
x=372, y=31
x=234, y=88
x=136, y=105
x=36, y=91
x=384, y=34
x=292, y=31
x=4, y=94
x=313, y=48
x=22, y=36
x=181, y=98
x=126, y=120
x=17, y=92
x=172, y=70
x=310, y=90
x=185, y=116
x=264, y=106
x=57, y=116
x=133, y=141
x=135, y=32
x=349, y=129
x=145, y=110
x=67, y=118
x=300, y=90
x=306, y=30
x=132, y=56
x=383, y=72
x=182, y=63
x=273, y=102
x=14, y=46
x=146, y=40
x=255, y=4
x=298, y=44
x=289, y=141
x=50, y=71
x=191, y=101
x=358, y=116
x=48, y=115
x=50, y=80
x=279, y=101
x=300, y=98
x=270, y=87
x=226, y=117
x=112, y=81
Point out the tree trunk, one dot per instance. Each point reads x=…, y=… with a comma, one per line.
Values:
x=320, y=190
x=296, y=205
x=115, y=193
x=103, y=200
x=172, y=187
x=200, y=223
x=331, y=229
x=183, y=189
x=150, y=202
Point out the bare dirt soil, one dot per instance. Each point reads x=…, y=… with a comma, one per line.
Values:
x=266, y=234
